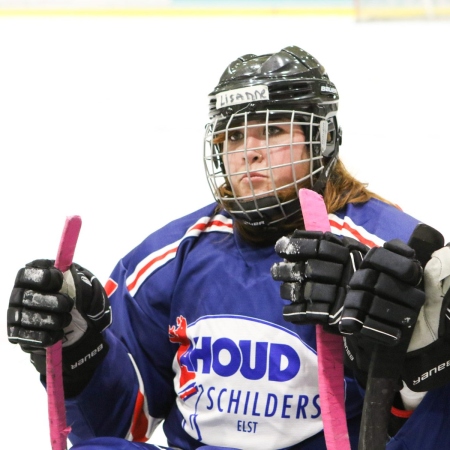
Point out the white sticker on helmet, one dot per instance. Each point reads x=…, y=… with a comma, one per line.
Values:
x=243, y=95
x=329, y=89
x=323, y=131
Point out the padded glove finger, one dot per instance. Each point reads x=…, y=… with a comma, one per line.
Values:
x=299, y=246
x=40, y=275
x=288, y=271
x=305, y=245
x=323, y=271
x=311, y=302
x=396, y=259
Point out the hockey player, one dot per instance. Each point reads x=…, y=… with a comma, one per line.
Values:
x=199, y=338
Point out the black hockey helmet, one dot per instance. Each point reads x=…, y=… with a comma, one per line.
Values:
x=289, y=83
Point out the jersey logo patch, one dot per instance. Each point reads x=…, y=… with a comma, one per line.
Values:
x=252, y=379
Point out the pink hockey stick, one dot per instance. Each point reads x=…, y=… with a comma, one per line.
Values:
x=329, y=346
x=55, y=391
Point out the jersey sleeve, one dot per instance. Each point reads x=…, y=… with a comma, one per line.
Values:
x=132, y=390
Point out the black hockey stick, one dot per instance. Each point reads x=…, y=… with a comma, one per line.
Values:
x=386, y=362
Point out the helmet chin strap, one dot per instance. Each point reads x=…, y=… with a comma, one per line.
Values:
x=262, y=212
x=320, y=183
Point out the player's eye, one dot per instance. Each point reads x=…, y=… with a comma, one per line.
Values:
x=273, y=130
x=235, y=136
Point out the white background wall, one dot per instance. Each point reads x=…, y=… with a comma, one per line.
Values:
x=104, y=117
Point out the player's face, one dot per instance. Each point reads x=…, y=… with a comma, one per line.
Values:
x=260, y=159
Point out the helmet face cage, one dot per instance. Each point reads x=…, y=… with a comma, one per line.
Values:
x=278, y=201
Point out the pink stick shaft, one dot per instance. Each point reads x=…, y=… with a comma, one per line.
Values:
x=55, y=391
x=329, y=346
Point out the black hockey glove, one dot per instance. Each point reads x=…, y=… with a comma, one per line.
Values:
x=47, y=306
x=382, y=304
x=427, y=364
x=384, y=297
x=316, y=269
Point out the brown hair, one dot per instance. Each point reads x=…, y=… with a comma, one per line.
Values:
x=343, y=188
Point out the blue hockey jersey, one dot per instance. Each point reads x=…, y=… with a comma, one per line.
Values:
x=198, y=339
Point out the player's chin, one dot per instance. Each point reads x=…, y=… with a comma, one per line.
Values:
x=255, y=192
x=258, y=189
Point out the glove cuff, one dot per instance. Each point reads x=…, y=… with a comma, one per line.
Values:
x=428, y=367
x=79, y=362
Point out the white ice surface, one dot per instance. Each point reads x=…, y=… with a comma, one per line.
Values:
x=104, y=117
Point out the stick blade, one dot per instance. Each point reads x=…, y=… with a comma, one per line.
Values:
x=314, y=210
x=68, y=243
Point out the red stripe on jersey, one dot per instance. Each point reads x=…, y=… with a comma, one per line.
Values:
x=214, y=224
x=110, y=287
x=139, y=424
x=354, y=232
x=219, y=223
x=198, y=226
x=149, y=264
